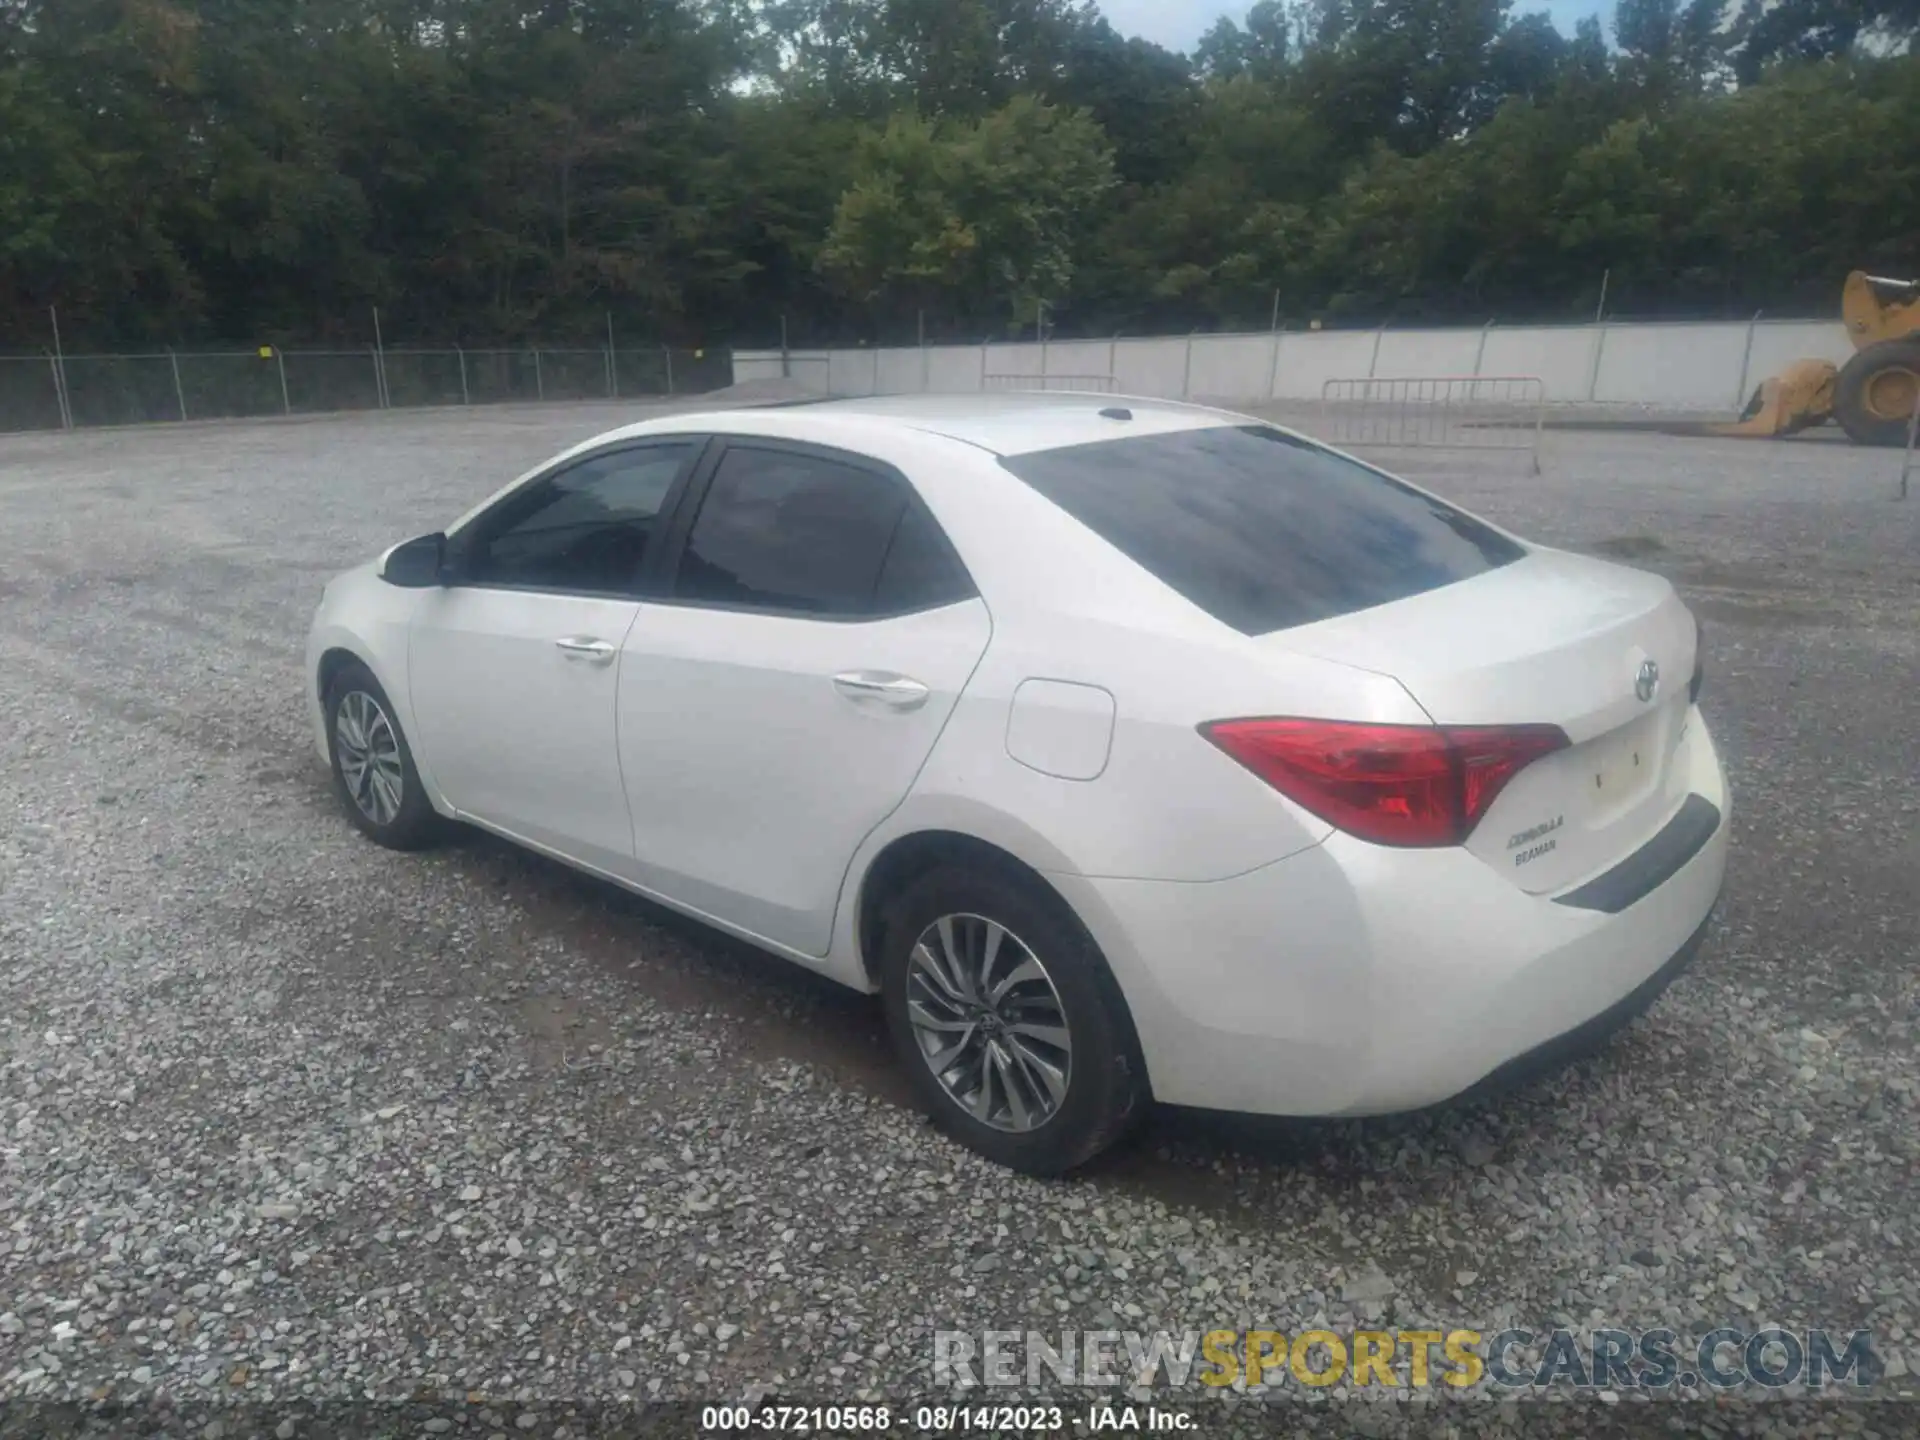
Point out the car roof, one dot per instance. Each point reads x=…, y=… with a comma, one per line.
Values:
x=1009, y=423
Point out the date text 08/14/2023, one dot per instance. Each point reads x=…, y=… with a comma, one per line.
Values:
x=940, y=1419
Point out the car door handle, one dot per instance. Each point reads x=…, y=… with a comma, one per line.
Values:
x=585, y=648
x=897, y=692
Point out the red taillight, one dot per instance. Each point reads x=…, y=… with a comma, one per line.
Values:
x=1405, y=785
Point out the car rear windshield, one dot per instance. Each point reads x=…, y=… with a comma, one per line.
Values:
x=1261, y=529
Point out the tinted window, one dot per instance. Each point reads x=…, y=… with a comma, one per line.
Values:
x=921, y=571
x=1262, y=530
x=586, y=528
x=787, y=531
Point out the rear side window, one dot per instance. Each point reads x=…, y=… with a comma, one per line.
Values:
x=787, y=531
x=1262, y=530
x=921, y=571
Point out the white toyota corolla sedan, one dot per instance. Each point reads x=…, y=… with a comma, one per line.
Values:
x=1129, y=749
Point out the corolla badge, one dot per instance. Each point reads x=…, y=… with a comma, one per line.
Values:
x=1647, y=683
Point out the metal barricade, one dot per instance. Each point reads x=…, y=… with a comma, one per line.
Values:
x=1101, y=384
x=1445, y=412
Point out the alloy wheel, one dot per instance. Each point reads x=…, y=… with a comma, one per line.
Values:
x=989, y=1023
x=369, y=752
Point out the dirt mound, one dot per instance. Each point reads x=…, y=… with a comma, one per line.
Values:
x=762, y=392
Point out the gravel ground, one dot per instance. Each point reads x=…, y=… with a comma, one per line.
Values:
x=282, y=1115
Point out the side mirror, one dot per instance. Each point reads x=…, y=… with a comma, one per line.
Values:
x=417, y=565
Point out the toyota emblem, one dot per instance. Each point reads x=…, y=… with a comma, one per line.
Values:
x=1647, y=683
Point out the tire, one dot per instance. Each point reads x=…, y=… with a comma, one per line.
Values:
x=1876, y=391
x=367, y=792
x=1098, y=1090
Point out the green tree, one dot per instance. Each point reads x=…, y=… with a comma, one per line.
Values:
x=1261, y=48
x=899, y=227
x=1673, y=48
x=941, y=57
x=1143, y=98
x=242, y=170
x=982, y=215
x=1773, y=30
x=1413, y=73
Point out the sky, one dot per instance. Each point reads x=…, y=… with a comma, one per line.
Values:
x=1179, y=24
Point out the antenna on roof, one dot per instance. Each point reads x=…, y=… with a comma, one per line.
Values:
x=1116, y=412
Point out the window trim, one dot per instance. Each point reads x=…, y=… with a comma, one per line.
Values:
x=461, y=543
x=694, y=499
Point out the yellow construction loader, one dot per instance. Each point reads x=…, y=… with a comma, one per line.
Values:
x=1873, y=395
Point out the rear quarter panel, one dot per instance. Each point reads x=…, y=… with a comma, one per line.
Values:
x=1067, y=607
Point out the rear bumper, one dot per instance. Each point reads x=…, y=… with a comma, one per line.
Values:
x=1590, y=1035
x=1353, y=980
x=1689, y=832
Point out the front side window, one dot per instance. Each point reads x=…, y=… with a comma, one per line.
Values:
x=584, y=529
x=794, y=532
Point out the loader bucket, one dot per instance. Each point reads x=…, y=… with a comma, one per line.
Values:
x=1798, y=398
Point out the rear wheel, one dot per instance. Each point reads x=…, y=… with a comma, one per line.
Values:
x=1009, y=1024
x=1877, y=391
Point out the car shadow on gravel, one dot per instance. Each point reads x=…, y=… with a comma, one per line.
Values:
x=1197, y=1160
x=786, y=1013
x=782, y=1011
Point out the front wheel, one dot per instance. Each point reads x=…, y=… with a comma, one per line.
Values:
x=1877, y=391
x=1010, y=1026
x=373, y=770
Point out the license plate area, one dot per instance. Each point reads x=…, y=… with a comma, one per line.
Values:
x=1618, y=770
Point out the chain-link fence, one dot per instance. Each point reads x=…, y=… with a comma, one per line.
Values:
x=60, y=391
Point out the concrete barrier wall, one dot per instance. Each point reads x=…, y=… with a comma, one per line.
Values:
x=1560, y=355
x=1013, y=359
x=850, y=372
x=1707, y=367
x=954, y=367
x=756, y=365
x=1694, y=367
x=1308, y=361
x=1225, y=365
x=1151, y=367
x=1424, y=354
x=902, y=372
x=1079, y=357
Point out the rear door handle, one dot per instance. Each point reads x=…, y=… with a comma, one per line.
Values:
x=896, y=692
x=587, y=650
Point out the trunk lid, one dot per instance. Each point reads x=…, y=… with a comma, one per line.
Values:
x=1554, y=639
